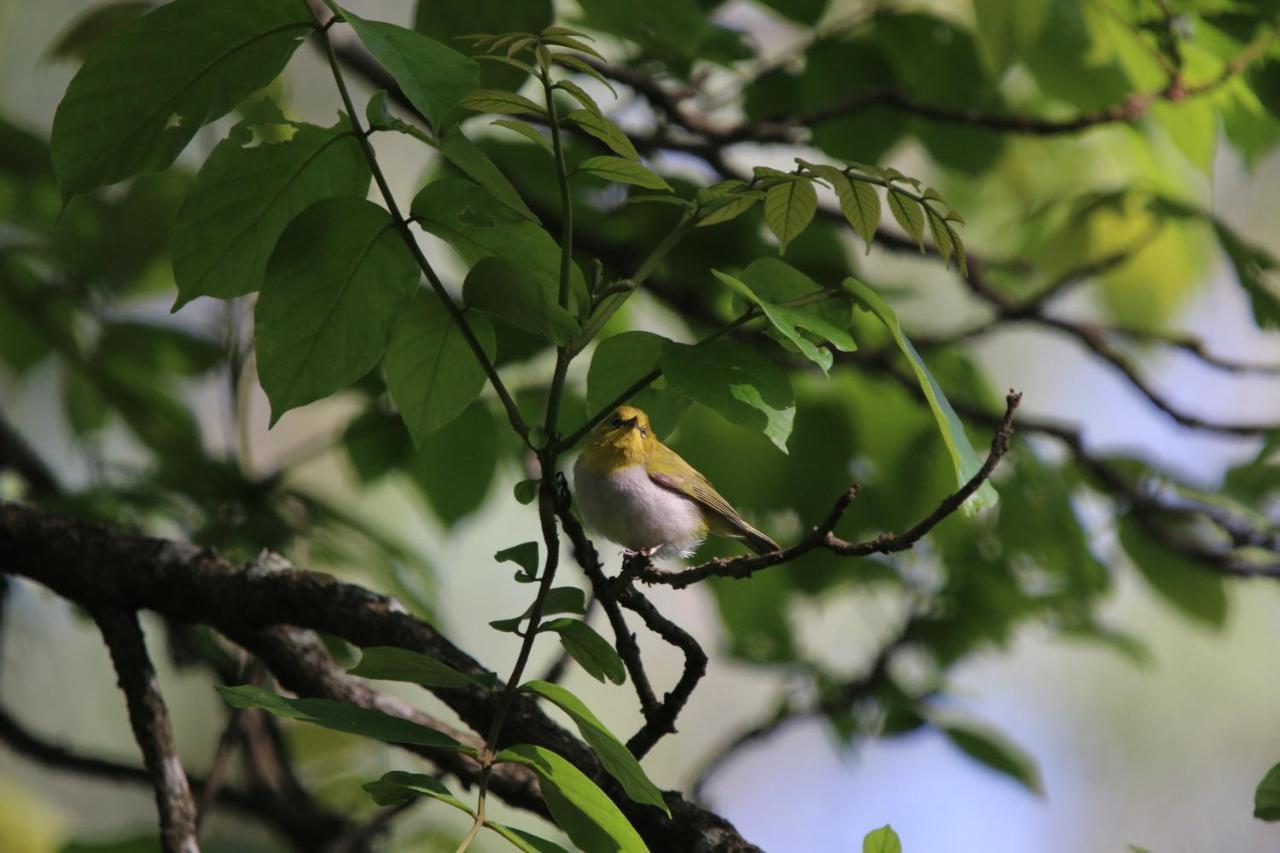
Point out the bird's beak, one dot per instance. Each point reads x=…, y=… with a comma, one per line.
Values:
x=630, y=424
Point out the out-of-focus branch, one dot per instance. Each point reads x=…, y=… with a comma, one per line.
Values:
x=150, y=721
x=837, y=701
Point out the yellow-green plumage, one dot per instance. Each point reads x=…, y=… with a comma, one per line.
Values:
x=641, y=494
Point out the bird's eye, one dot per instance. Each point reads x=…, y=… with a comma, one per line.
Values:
x=644, y=432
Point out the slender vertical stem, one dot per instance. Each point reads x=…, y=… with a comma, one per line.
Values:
x=551, y=538
x=563, y=354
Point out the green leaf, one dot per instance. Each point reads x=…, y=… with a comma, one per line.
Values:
x=614, y=755
x=580, y=95
x=455, y=465
x=432, y=373
x=476, y=165
x=882, y=840
x=390, y=663
x=582, y=810
x=560, y=599
x=735, y=380
x=861, y=206
x=622, y=171
x=504, y=289
x=1008, y=30
x=576, y=63
x=907, y=211
x=341, y=717
x=989, y=748
x=1266, y=801
x=84, y=33
x=789, y=207
x=618, y=363
x=525, y=841
x=433, y=77
x=447, y=21
x=1196, y=591
x=336, y=281
x=398, y=786
x=965, y=459
x=526, y=130
x=716, y=207
x=524, y=555
x=789, y=321
x=526, y=491
x=498, y=101
x=146, y=88
x=943, y=237
x=161, y=350
x=592, y=652
x=478, y=225
x=244, y=197
x=611, y=135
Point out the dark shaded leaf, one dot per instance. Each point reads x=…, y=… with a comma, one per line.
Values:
x=336, y=281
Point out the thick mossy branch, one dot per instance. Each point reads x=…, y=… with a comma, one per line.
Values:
x=97, y=566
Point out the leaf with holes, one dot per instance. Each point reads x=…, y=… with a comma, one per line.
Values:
x=789, y=322
x=244, y=197
x=148, y=86
x=735, y=380
x=335, y=283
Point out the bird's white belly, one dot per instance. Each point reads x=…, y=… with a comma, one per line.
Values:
x=630, y=509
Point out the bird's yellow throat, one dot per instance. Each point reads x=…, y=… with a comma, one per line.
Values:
x=625, y=439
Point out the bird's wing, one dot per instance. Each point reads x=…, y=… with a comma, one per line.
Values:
x=666, y=468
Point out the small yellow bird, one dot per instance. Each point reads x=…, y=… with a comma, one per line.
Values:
x=639, y=493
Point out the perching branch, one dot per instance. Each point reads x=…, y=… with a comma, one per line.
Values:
x=150, y=721
x=823, y=537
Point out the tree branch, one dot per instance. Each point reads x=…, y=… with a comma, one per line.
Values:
x=150, y=721
x=89, y=563
x=822, y=536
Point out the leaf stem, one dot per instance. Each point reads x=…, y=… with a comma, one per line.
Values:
x=406, y=234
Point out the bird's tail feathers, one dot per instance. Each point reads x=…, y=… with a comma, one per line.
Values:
x=756, y=540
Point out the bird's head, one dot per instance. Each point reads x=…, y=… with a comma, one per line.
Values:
x=624, y=438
